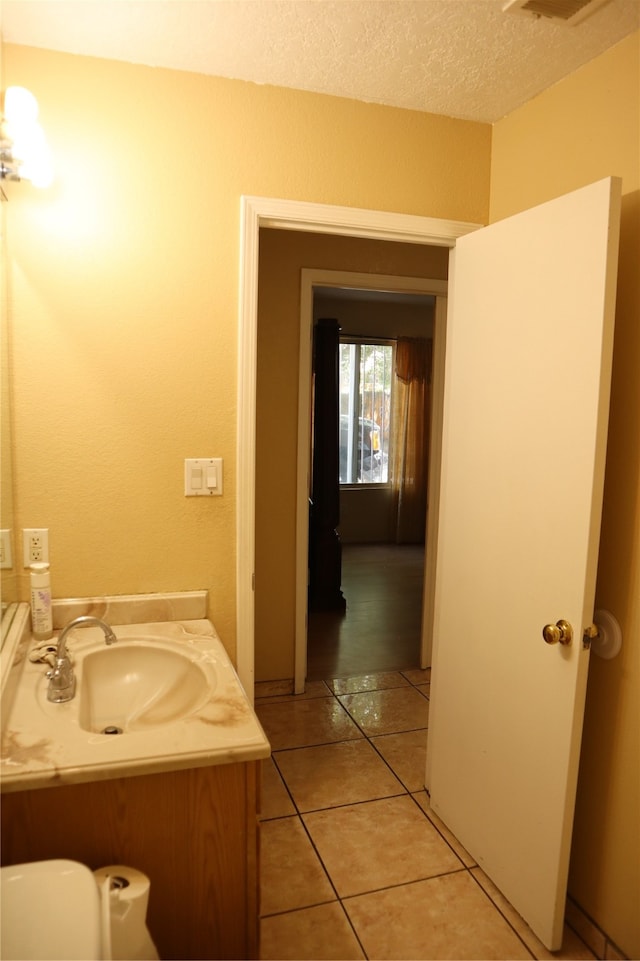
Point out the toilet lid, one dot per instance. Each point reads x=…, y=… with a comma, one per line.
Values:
x=50, y=909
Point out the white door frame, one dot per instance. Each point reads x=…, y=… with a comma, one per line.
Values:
x=339, y=279
x=259, y=212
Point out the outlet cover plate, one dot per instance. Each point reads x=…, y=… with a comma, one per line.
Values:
x=35, y=545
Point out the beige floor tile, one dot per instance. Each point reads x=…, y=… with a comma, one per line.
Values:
x=291, y=875
x=573, y=948
x=423, y=800
x=418, y=676
x=272, y=688
x=274, y=797
x=444, y=917
x=367, y=682
x=312, y=689
x=406, y=754
x=388, y=712
x=305, y=722
x=379, y=843
x=333, y=774
x=321, y=933
x=315, y=689
x=612, y=953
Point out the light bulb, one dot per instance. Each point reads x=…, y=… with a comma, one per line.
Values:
x=38, y=168
x=22, y=132
x=27, y=141
x=20, y=106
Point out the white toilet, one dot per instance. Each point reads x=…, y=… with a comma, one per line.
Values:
x=61, y=910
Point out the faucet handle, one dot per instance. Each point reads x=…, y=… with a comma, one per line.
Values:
x=61, y=668
x=62, y=681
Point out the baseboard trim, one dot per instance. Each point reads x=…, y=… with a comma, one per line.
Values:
x=597, y=940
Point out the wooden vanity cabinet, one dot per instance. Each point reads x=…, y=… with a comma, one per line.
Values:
x=193, y=832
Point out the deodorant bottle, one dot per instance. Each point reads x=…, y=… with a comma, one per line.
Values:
x=41, y=615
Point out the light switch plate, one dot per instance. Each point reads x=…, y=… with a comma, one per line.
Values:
x=6, y=554
x=203, y=476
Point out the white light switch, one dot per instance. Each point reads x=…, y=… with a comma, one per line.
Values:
x=202, y=476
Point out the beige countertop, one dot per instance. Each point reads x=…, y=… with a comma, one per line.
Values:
x=44, y=744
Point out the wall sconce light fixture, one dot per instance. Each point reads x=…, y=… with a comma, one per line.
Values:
x=24, y=151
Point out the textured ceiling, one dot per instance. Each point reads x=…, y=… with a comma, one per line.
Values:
x=461, y=58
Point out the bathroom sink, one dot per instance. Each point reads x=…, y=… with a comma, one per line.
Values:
x=136, y=685
x=169, y=687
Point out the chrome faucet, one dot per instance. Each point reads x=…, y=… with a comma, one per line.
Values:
x=62, y=680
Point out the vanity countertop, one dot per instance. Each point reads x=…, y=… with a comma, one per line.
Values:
x=44, y=745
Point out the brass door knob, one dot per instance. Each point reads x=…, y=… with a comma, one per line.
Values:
x=561, y=632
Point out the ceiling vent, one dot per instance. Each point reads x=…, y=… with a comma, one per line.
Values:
x=561, y=11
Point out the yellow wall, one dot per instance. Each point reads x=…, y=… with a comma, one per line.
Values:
x=123, y=283
x=282, y=255
x=8, y=579
x=581, y=130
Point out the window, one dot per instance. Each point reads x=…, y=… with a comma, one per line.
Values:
x=366, y=374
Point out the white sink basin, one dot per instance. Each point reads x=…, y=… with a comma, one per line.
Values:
x=169, y=687
x=135, y=685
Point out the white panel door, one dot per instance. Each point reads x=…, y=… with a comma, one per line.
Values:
x=529, y=344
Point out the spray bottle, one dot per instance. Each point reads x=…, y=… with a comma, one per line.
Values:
x=41, y=614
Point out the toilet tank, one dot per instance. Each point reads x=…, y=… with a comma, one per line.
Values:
x=50, y=909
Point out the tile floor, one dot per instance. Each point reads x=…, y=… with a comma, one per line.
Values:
x=382, y=585
x=353, y=863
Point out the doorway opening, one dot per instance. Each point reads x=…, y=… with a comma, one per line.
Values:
x=382, y=524
x=422, y=234
x=408, y=294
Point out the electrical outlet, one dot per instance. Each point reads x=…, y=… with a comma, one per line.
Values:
x=35, y=541
x=6, y=554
